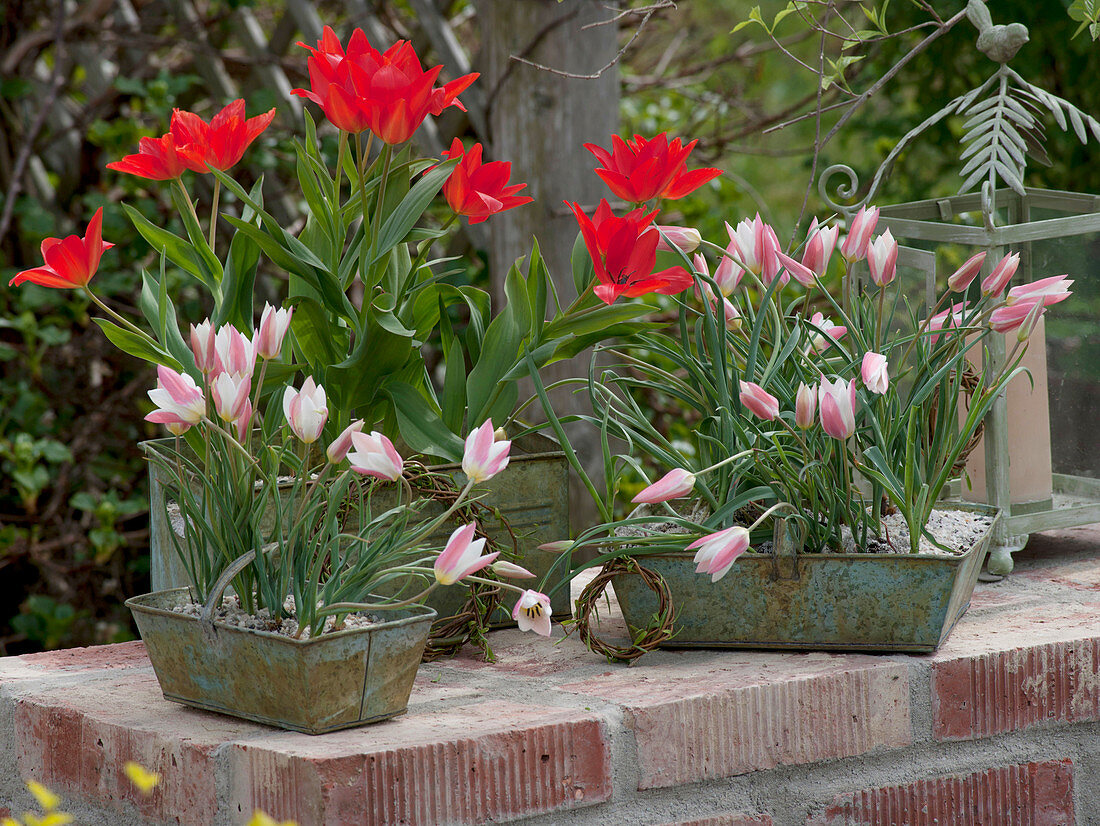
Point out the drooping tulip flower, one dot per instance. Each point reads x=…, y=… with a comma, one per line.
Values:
x=996, y=281
x=157, y=159
x=233, y=352
x=1012, y=317
x=1050, y=290
x=624, y=253
x=462, y=556
x=180, y=402
x=802, y=274
x=375, y=455
x=675, y=484
x=342, y=443
x=387, y=92
x=854, y=245
x=532, y=612
x=959, y=280
x=826, y=331
x=220, y=143
x=757, y=248
x=484, y=457
x=805, y=405
x=684, y=239
x=837, y=407
x=758, y=400
x=478, y=190
x=718, y=551
x=882, y=258
x=639, y=170
x=69, y=261
x=704, y=290
x=948, y=319
x=875, y=372
x=273, y=326
x=306, y=410
x=510, y=570
x=203, y=339
x=229, y=392
x=820, y=244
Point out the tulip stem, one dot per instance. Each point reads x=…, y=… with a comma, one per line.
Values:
x=727, y=460
x=120, y=319
x=350, y=607
x=214, y=212
x=341, y=151
x=187, y=199
x=380, y=204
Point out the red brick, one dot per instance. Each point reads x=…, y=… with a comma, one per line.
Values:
x=1005, y=673
x=489, y=762
x=1033, y=794
x=736, y=712
x=94, y=658
x=76, y=742
x=727, y=820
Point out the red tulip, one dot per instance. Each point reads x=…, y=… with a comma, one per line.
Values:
x=388, y=93
x=220, y=143
x=479, y=190
x=71, y=261
x=624, y=252
x=639, y=170
x=157, y=159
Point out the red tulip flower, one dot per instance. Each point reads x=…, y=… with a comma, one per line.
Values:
x=479, y=190
x=157, y=159
x=624, y=252
x=388, y=92
x=69, y=262
x=639, y=170
x=220, y=143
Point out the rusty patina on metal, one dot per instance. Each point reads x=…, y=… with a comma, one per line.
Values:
x=334, y=681
x=832, y=602
x=531, y=494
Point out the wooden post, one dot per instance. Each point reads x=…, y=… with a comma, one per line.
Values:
x=540, y=122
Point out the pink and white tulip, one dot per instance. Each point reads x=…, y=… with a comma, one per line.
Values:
x=759, y=401
x=675, y=484
x=233, y=353
x=948, y=319
x=855, y=243
x=306, y=410
x=202, y=345
x=1012, y=317
x=959, y=280
x=484, y=456
x=462, y=556
x=875, y=372
x=837, y=407
x=805, y=405
x=996, y=281
x=882, y=258
x=273, y=326
x=684, y=239
x=229, y=392
x=509, y=570
x=757, y=248
x=819, y=248
x=802, y=274
x=375, y=455
x=342, y=443
x=532, y=612
x=1050, y=290
x=180, y=402
x=718, y=551
x=243, y=422
x=826, y=330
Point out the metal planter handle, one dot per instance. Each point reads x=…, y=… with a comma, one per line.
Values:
x=214, y=598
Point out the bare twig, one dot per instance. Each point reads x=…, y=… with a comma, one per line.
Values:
x=649, y=12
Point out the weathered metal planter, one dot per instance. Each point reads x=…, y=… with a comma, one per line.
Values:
x=334, y=681
x=531, y=494
x=842, y=602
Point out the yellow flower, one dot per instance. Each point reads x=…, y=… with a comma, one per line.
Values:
x=261, y=819
x=52, y=819
x=141, y=777
x=10, y=821
x=46, y=799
